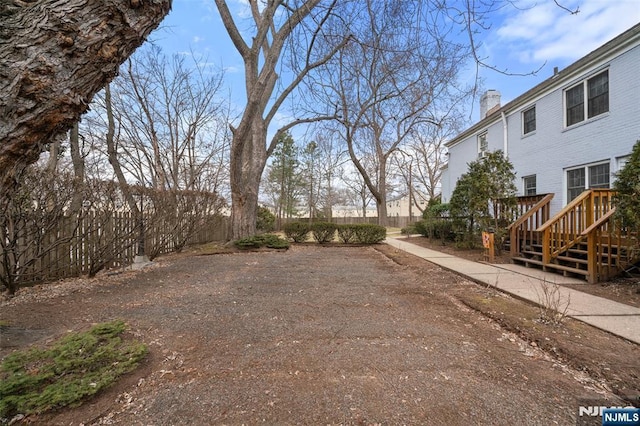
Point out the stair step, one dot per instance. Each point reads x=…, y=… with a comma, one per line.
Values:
x=563, y=268
x=527, y=261
x=555, y=266
x=584, y=253
x=573, y=260
x=533, y=246
x=578, y=251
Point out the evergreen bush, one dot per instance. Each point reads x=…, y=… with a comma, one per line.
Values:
x=266, y=220
x=297, y=231
x=263, y=240
x=323, y=232
x=627, y=185
x=441, y=229
x=368, y=233
x=409, y=229
x=346, y=234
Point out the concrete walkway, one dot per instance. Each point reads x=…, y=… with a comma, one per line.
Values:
x=527, y=283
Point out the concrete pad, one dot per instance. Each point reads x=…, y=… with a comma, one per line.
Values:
x=540, y=274
x=623, y=326
x=529, y=284
x=503, y=280
x=463, y=266
x=587, y=304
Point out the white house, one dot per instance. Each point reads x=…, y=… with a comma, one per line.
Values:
x=569, y=133
x=404, y=206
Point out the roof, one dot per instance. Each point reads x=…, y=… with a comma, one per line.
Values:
x=610, y=48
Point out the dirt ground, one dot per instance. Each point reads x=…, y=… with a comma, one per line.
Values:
x=325, y=335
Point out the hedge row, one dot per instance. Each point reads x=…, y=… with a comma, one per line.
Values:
x=325, y=232
x=263, y=240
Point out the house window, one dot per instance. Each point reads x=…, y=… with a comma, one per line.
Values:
x=589, y=98
x=575, y=105
x=622, y=161
x=598, y=100
x=598, y=177
x=575, y=183
x=529, y=185
x=483, y=144
x=529, y=120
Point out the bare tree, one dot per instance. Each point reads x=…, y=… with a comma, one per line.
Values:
x=277, y=29
x=173, y=122
x=72, y=50
x=167, y=141
x=421, y=172
x=330, y=157
x=391, y=79
x=359, y=193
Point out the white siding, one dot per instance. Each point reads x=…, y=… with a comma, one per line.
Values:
x=551, y=148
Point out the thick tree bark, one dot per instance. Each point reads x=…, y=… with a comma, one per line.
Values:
x=248, y=159
x=78, y=167
x=262, y=57
x=54, y=56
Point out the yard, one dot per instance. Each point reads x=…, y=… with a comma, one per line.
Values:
x=324, y=335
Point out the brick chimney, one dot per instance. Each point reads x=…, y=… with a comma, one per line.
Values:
x=489, y=103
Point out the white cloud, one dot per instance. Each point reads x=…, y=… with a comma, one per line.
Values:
x=232, y=69
x=198, y=39
x=546, y=32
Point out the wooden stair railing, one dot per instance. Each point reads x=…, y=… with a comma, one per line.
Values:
x=610, y=249
x=565, y=229
x=523, y=230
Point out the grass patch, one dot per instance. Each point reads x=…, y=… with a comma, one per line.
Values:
x=74, y=367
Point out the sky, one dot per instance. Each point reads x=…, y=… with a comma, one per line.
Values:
x=524, y=37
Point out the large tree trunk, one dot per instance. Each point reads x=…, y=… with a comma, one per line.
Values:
x=54, y=56
x=248, y=158
x=381, y=193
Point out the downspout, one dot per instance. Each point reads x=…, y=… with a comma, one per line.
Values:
x=505, y=137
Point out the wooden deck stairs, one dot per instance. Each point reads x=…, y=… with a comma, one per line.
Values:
x=583, y=239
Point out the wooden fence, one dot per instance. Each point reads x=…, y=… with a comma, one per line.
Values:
x=74, y=246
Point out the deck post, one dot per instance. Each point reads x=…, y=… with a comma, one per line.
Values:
x=546, y=246
x=592, y=258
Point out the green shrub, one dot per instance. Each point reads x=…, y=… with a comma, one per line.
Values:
x=409, y=229
x=627, y=184
x=368, y=233
x=323, y=232
x=422, y=228
x=74, y=367
x=346, y=234
x=275, y=242
x=441, y=229
x=265, y=220
x=263, y=240
x=297, y=231
x=247, y=243
x=436, y=210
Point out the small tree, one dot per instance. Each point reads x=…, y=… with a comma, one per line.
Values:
x=284, y=181
x=627, y=184
x=485, y=195
x=265, y=220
